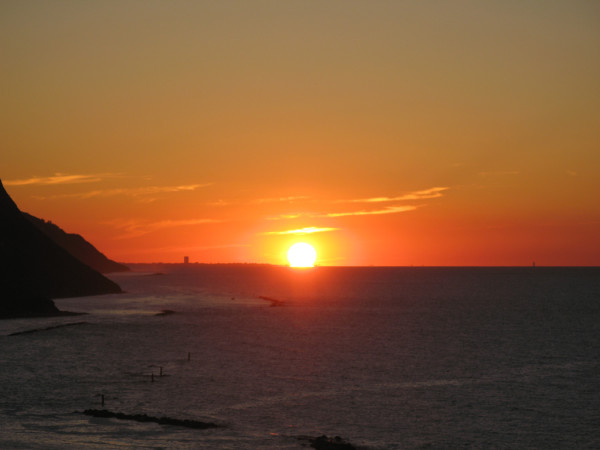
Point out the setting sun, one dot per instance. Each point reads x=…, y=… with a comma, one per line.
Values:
x=302, y=254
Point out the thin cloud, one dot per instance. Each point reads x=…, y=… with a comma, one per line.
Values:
x=219, y=203
x=136, y=228
x=131, y=192
x=280, y=199
x=61, y=178
x=433, y=192
x=257, y=201
x=306, y=230
x=182, y=249
x=388, y=210
x=285, y=217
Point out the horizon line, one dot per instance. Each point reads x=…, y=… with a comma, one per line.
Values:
x=467, y=266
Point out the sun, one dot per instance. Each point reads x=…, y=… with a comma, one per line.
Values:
x=302, y=254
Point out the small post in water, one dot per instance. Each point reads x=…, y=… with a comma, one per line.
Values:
x=189, y=356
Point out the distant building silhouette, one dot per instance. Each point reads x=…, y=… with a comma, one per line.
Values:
x=186, y=259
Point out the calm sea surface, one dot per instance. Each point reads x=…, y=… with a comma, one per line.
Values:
x=384, y=357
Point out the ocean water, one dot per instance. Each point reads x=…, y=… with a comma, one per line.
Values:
x=386, y=358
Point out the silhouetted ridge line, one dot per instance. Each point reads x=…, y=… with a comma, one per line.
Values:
x=77, y=246
x=34, y=269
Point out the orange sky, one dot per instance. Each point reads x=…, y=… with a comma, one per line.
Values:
x=384, y=133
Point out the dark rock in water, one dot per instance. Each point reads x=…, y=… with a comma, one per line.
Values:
x=77, y=246
x=274, y=301
x=53, y=327
x=327, y=443
x=34, y=269
x=103, y=413
x=165, y=312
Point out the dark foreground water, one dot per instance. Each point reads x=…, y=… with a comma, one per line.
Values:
x=384, y=357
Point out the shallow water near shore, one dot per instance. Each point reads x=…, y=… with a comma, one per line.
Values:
x=384, y=357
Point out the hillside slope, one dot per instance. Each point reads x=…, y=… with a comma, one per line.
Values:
x=77, y=246
x=34, y=269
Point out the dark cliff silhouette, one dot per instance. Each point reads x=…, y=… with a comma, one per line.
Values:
x=77, y=246
x=34, y=269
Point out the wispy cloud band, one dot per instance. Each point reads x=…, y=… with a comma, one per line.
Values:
x=136, y=228
x=281, y=199
x=61, y=178
x=131, y=192
x=433, y=192
x=388, y=210
x=306, y=230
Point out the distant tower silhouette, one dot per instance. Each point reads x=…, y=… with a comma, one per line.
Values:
x=186, y=259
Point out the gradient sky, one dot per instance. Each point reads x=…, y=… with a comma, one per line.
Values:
x=382, y=132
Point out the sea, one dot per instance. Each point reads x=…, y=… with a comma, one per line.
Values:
x=383, y=357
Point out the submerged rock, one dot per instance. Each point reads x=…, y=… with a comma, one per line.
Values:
x=327, y=443
x=53, y=327
x=103, y=413
x=273, y=301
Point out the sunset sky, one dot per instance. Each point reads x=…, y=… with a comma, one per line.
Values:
x=381, y=132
